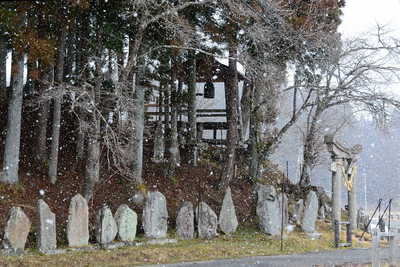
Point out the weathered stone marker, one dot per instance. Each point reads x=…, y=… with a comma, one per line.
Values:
x=298, y=210
x=46, y=228
x=343, y=162
x=78, y=222
x=106, y=227
x=16, y=230
x=268, y=210
x=227, y=217
x=310, y=213
x=126, y=220
x=185, y=221
x=155, y=215
x=206, y=220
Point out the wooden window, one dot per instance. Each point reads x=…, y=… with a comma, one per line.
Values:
x=209, y=90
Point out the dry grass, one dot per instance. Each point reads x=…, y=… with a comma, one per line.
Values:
x=244, y=243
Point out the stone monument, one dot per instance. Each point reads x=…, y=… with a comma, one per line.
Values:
x=16, y=230
x=126, y=220
x=227, y=220
x=106, y=227
x=155, y=215
x=206, y=220
x=78, y=222
x=310, y=213
x=46, y=239
x=298, y=211
x=185, y=221
x=268, y=210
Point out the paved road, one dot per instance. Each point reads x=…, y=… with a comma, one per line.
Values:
x=350, y=257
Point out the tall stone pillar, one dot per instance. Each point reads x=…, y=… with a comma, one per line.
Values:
x=352, y=201
x=336, y=189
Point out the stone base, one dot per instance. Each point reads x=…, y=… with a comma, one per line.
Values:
x=161, y=241
x=312, y=236
x=11, y=251
x=114, y=245
x=89, y=247
x=54, y=251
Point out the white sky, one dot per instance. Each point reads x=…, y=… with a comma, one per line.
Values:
x=361, y=15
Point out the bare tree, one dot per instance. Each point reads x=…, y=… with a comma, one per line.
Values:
x=356, y=73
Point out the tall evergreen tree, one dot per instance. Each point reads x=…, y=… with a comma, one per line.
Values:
x=9, y=172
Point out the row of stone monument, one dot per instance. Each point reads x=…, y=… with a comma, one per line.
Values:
x=270, y=214
x=155, y=215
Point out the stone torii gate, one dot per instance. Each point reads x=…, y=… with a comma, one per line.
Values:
x=343, y=165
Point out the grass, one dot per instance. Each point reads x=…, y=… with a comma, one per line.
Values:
x=244, y=243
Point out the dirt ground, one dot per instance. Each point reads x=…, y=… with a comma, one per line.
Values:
x=184, y=185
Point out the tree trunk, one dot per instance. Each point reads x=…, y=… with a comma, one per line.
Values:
x=80, y=138
x=93, y=158
x=166, y=104
x=69, y=59
x=31, y=83
x=174, y=150
x=309, y=149
x=9, y=174
x=135, y=43
x=41, y=129
x=3, y=67
x=92, y=161
x=253, y=141
x=192, y=132
x=55, y=140
x=137, y=141
x=43, y=85
x=245, y=107
x=82, y=35
x=231, y=93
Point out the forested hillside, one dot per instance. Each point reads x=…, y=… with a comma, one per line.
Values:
x=75, y=99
